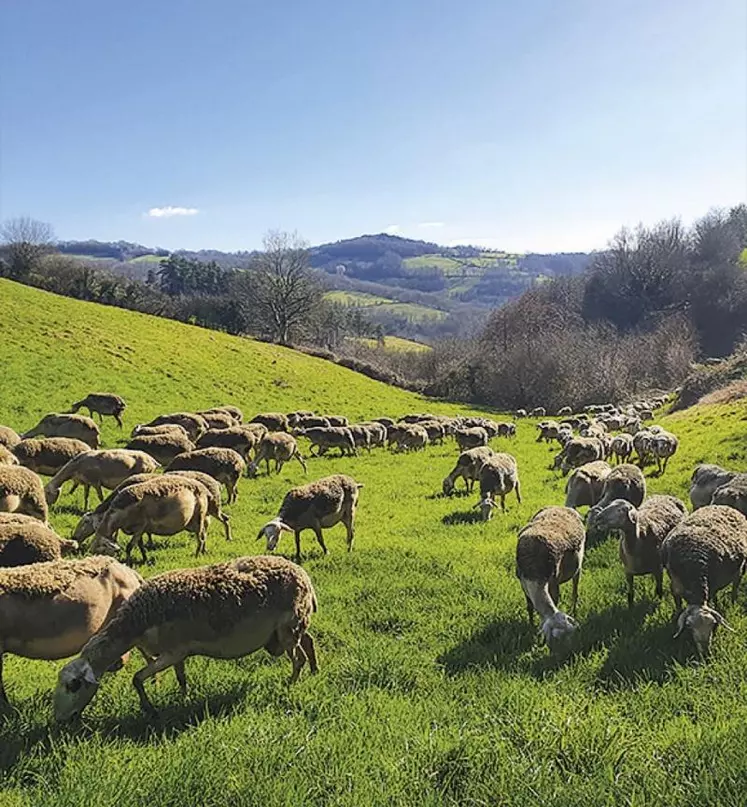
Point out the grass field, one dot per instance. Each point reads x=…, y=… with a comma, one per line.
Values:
x=395, y=343
x=413, y=312
x=432, y=687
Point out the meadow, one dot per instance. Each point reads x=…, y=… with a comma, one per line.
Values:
x=372, y=302
x=433, y=689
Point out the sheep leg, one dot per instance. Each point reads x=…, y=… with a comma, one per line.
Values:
x=351, y=531
x=318, y=532
x=518, y=492
x=181, y=677
x=297, y=536
x=629, y=578
x=530, y=609
x=157, y=665
x=225, y=520
x=136, y=540
x=574, y=592
x=735, y=587
x=659, y=577
x=3, y=695
x=86, y=494
x=298, y=659
x=307, y=643
x=554, y=590
x=503, y=502
x=119, y=421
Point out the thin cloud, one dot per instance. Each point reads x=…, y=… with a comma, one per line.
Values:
x=169, y=211
x=392, y=229
x=431, y=225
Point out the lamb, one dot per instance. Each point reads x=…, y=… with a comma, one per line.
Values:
x=239, y=438
x=7, y=457
x=214, y=503
x=663, y=446
x=581, y=450
x=412, y=437
x=49, y=454
x=195, y=425
x=227, y=610
x=162, y=447
x=585, y=485
x=467, y=468
x=78, y=427
x=8, y=437
x=499, y=475
x=550, y=551
x=704, y=553
x=26, y=542
x=329, y=437
x=98, y=470
x=622, y=447
x=223, y=464
x=277, y=446
x=78, y=597
x=471, y=437
x=164, y=428
x=162, y=505
x=315, y=506
x=102, y=403
x=733, y=493
x=273, y=421
x=706, y=479
x=642, y=533
x=21, y=491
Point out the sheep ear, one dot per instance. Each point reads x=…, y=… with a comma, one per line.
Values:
x=261, y=534
x=284, y=527
x=88, y=675
x=681, y=624
x=721, y=621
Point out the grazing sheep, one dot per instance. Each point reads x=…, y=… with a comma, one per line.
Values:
x=663, y=446
x=103, y=404
x=580, y=451
x=586, y=484
x=550, y=551
x=227, y=610
x=294, y=417
x=223, y=464
x=338, y=420
x=506, y=429
x=323, y=438
x=706, y=479
x=316, y=506
x=162, y=447
x=77, y=597
x=642, y=533
x=25, y=542
x=473, y=437
x=361, y=436
x=499, y=475
x=218, y=419
x=310, y=422
x=377, y=432
x=78, y=427
x=435, y=429
x=547, y=431
x=49, y=454
x=467, y=468
x=622, y=447
x=106, y=468
x=564, y=411
x=229, y=409
x=277, y=446
x=538, y=412
x=272, y=421
x=704, y=553
x=195, y=425
x=520, y=413
x=21, y=491
x=163, y=505
x=412, y=437
x=164, y=428
x=387, y=422
x=7, y=457
x=733, y=493
x=214, y=497
x=8, y=437
x=239, y=438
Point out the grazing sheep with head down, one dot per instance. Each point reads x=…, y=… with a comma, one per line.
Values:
x=326, y=437
x=21, y=491
x=164, y=428
x=538, y=412
x=277, y=446
x=239, y=438
x=706, y=479
x=316, y=506
x=25, y=542
x=7, y=457
x=412, y=437
x=377, y=433
x=550, y=551
x=103, y=404
x=193, y=424
x=162, y=447
x=227, y=610
x=473, y=437
x=223, y=464
x=580, y=451
x=586, y=484
x=704, y=553
x=733, y=493
x=499, y=475
x=8, y=437
x=218, y=419
x=77, y=597
x=467, y=468
x=78, y=427
x=49, y=454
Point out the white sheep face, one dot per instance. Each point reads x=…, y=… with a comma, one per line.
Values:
x=486, y=505
x=557, y=627
x=272, y=532
x=76, y=686
x=701, y=621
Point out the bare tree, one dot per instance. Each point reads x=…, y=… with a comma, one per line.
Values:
x=286, y=293
x=25, y=242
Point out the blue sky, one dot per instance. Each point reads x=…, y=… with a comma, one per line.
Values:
x=538, y=125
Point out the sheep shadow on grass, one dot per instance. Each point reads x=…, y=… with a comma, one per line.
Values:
x=495, y=646
x=462, y=517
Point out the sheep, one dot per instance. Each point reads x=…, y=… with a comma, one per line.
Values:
x=218, y=419
x=387, y=422
x=21, y=491
x=8, y=437
x=78, y=427
x=361, y=436
x=239, y=438
x=581, y=450
x=273, y=421
x=315, y=506
x=435, y=429
x=643, y=445
x=642, y=532
x=520, y=413
x=338, y=420
x=706, y=479
x=227, y=610
x=7, y=457
x=162, y=505
x=98, y=470
x=102, y=403
x=506, y=429
x=733, y=493
x=538, y=412
x=564, y=411
x=550, y=551
x=25, y=542
x=214, y=497
x=624, y=482
x=663, y=446
x=585, y=485
x=413, y=437
x=547, y=431
x=471, y=437
x=377, y=433
x=195, y=425
x=704, y=553
x=622, y=447
x=46, y=456
x=227, y=409
x=329, y=437
x=223, y=464
x=310, y=422
x=277, y=446
x=77, y=597
x=468, y=468
x=162, y=447
x=164, y=428
x=294, y=417
x=499, y=475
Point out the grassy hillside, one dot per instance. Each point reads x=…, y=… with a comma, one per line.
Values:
x=432, y=688
x=395, y=344
x=375, y=304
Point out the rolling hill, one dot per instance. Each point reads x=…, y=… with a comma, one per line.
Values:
x=433, y=689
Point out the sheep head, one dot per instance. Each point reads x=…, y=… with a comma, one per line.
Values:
x=76, y=686
x=702, y=621
x=557, y=627
x=486, y=505
x=272, y=532
x=448, y=486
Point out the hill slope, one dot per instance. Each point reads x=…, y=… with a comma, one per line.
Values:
x=433, y=689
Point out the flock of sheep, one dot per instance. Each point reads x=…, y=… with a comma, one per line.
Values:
x=99, y=607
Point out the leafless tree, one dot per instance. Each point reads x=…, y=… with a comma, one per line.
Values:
x=25, y=242
x=286, y=293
